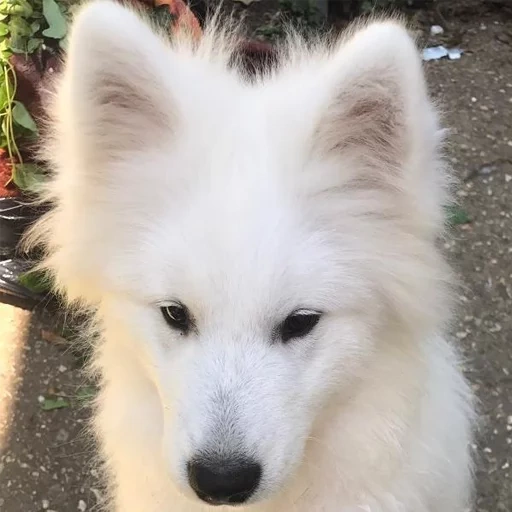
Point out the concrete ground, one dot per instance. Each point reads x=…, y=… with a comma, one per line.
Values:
x=44, y=455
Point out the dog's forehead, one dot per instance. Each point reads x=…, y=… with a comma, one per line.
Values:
x=241, y=239
x=239, y=224
x=244, y=230
x=238, y=199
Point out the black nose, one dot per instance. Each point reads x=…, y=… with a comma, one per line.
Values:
x=222, y=482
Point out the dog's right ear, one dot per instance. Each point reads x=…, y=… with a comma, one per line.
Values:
x=114, y=105
x=114, y=94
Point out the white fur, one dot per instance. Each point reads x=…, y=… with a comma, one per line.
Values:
x=319, y=185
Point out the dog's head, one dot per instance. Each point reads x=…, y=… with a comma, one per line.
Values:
x=253, y=241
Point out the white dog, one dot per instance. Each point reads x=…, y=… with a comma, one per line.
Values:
x=261, y=256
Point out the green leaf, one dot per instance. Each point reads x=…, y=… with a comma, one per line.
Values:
x=35, y=26
x=456, y=215
x=19, y=7
x=86, y=393
x=20, y=32
x=50, y=404
x=35, y=280
x=4, y=98
x=5, y=49
x=162, y=16
x=22, y=117
x=28, y=177
x=57, y=25
x=33, y=44
x=18, y=44
x=19, y=26
x=5, y=126
x=4, y=29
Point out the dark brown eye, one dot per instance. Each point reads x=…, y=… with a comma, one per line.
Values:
x=177, y=316
x=299, y=324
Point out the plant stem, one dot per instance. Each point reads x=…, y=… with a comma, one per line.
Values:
x=12, y=148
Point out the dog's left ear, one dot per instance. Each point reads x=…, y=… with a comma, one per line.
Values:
x=377, y=119
x=378, y=105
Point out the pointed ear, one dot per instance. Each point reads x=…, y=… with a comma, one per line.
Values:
x=378, y=105
x=114, y=95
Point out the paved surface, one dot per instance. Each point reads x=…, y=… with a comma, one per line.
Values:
x=44, y=456
x=477, y=95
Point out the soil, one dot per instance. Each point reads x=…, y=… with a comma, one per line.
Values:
x=6, y=189
x=45, y=457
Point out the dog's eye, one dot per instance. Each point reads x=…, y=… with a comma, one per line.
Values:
x=177, y=316
x=299, y=324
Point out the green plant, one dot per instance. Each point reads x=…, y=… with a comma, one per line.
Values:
x=25, y=28
x=35, y=280
x=161, y=16
x=302, y=17
x=455, y=215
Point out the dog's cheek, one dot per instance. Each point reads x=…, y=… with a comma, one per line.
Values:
x=342, y=349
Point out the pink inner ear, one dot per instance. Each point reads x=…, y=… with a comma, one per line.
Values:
x=366, y=115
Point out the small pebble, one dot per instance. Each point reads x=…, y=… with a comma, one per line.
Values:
x=62, y=436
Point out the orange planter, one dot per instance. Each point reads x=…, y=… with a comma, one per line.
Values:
x=5, y=176
x=184, y=19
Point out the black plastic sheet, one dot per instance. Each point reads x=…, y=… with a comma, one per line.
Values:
x=15, y=216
